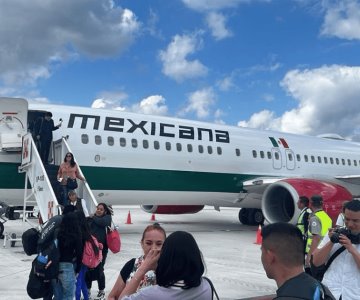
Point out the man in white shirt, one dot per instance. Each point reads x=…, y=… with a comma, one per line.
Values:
x=343, y=275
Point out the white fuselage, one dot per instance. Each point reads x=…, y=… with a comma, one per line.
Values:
x=142, y=159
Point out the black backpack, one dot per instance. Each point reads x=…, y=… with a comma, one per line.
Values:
x=48, y=232
x=30, y=240
x=36, y=287
x=47, y=260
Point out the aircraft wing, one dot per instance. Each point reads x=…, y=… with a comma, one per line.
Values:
x=352, y=179
x=258, y=185
x=253, y=190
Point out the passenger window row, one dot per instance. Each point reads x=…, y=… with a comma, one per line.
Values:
x=307, y=158
x=156, y=144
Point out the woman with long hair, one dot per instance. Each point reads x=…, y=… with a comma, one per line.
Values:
x=68, y=170
x=153, y=238
x=98, y=225
x=86, y=237
x=178, y=273
x=70, y=249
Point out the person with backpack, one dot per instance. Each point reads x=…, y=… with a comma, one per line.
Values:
x=282, y=256
x=45, y=266
x=92, y=256
x=71, y=250
x=98, y=227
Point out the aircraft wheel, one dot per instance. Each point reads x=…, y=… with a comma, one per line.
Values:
x=244, y=216
x=256, y=217
x=13, y=236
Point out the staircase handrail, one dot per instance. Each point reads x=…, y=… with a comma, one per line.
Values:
x=35, y=172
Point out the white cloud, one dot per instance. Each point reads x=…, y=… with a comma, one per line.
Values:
x=328, y=102
x=176, y=65
x=41, y=100
x=37, y=34
x=218, y=114
x=206, y=5
x=152, y=105
x=268, y=97
x=262, y=120
x=27, y=77
x=200, y=103
x=226, y=83
x=271, y=67
x=216, y=22
x=342, y=19
x=152, y=25
x=110, y=100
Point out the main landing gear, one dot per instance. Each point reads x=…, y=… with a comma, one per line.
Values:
x=251, y=216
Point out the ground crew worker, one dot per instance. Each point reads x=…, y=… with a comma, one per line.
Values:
x=303, y=220
x=319, y=225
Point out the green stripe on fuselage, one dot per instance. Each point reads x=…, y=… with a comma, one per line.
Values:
x=162, y=180
x=105, y=178
x=10, y=178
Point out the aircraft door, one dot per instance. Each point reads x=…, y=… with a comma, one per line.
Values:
x=276, y=158
x=13, y=123
x=290, y=159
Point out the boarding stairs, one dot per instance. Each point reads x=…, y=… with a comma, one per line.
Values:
x=43, y=179
x=41, y=185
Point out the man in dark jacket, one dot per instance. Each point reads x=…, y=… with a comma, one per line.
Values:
x=43, y=132
x=282, y=257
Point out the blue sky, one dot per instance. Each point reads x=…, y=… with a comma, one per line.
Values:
x=287, y=65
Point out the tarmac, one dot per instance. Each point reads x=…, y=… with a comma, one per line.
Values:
x=230, y=253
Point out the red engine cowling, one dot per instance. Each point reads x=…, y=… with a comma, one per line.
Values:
x=279, y=199
x=172, y=209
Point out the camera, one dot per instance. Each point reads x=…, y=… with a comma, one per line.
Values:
x=355, y=239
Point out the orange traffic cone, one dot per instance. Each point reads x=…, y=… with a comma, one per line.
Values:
x=152, y=217
x=258, y=236
x=128, y=220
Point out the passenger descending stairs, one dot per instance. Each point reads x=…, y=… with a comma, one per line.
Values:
x=44, y=187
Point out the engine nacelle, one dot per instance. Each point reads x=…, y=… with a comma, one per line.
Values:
x=279, y=199
x=172, y=209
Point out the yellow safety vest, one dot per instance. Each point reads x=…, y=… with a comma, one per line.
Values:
x=300, y=223
x=326, y=224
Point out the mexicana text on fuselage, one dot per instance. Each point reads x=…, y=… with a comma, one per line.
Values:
x=151, y=128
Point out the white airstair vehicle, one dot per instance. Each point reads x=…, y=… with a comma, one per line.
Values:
x=40, y=186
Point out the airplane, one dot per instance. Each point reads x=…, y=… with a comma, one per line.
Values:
x=177, y=166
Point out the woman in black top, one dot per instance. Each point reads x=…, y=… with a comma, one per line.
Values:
x=98, y=224
x=70, y=249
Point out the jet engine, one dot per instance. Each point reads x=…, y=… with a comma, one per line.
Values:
x=279, y=199
x=172, y=209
